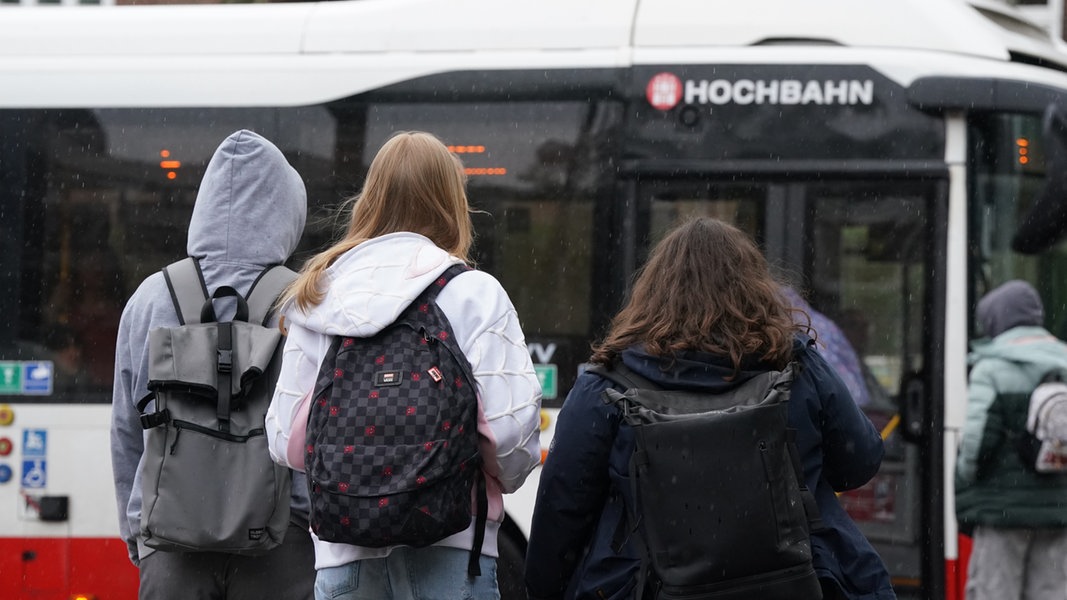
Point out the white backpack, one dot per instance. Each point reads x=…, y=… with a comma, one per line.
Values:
x=1046, y=422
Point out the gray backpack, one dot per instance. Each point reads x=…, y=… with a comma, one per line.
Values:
x=208, y=482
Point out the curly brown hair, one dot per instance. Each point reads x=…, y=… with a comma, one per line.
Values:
x=706, y=287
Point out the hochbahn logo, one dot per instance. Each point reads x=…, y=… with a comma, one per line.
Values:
x=665, y=91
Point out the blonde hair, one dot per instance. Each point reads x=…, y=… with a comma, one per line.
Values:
x=414, y=184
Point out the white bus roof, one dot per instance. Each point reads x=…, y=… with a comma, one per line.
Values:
x=92, y=56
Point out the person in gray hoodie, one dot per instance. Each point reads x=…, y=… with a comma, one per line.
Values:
x=249, y=213
x=1017, y=518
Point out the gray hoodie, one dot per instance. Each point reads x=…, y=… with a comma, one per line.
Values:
x=1012, y=304
x=249, y=213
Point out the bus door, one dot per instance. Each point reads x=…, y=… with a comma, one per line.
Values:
x=860, y=253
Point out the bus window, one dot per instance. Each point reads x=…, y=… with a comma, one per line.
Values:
x=1004, y=192
x=866, y=262
x=104, y=201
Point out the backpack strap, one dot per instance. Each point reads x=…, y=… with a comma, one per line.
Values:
x=624, y=376
x=193, y=305
x=432, y=290
x=807, y=495
x=265, y=290
x=621, y=375
x=1053, y=375
x=474, y=569
x=811, y=506
x=255, y=307
x=188, y=291
x=224, y=352
x=481, y=517
x=481, y=495
x=148, y=421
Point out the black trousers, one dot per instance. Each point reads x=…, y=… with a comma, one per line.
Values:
x=285, y=573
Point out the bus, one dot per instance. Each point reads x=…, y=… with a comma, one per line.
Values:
x=895, y=160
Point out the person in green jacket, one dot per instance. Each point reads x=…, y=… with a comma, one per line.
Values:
x=1018, y=518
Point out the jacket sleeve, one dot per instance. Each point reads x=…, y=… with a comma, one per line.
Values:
x=852, y=446
x=573, y=489
x=981, y=392
x=300, y=365
x=127, y=435
x=127, y=438
x=487, y=329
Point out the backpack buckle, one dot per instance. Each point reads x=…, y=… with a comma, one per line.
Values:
x=155, y=419
x=225, y=360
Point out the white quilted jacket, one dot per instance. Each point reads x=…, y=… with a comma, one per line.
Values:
x=366, y=290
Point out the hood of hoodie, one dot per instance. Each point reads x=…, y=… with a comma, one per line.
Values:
x=1034, y=348
x=247, y=183
x=1013, y=304
x=368, y=286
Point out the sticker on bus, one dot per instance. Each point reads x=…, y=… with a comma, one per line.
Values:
x=34, y=473
x=26, y=377
x=548, y=377
x=35, y=443
x=37, y=377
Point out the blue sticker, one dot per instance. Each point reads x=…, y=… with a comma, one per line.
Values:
x=5, y=473
x=34, y=473
x=35, y=442
x=37, y=377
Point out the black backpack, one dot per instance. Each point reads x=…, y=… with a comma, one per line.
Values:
x=721, y=509
x=392, y=435
x=207, y=480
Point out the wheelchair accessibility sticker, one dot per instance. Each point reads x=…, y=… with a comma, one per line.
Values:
x=34, y=473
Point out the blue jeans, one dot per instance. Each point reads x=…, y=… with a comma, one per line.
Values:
x=431, y=573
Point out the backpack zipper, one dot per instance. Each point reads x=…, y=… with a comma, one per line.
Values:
x=459, y=360
x=764, y=450
x=222, y=435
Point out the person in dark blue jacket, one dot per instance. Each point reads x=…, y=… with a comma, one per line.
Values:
x=705, y=313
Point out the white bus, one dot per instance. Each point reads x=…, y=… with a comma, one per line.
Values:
x=885, y=154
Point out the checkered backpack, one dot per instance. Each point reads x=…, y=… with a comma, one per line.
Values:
x=392, y=436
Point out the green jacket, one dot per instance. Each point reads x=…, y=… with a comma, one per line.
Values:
x=993, y=487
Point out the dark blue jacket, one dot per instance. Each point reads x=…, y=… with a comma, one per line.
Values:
x=584, y=488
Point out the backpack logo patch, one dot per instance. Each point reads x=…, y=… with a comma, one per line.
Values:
x=384, y=378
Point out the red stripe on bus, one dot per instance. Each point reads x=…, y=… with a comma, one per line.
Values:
x=956, y=570
x=56, y=568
